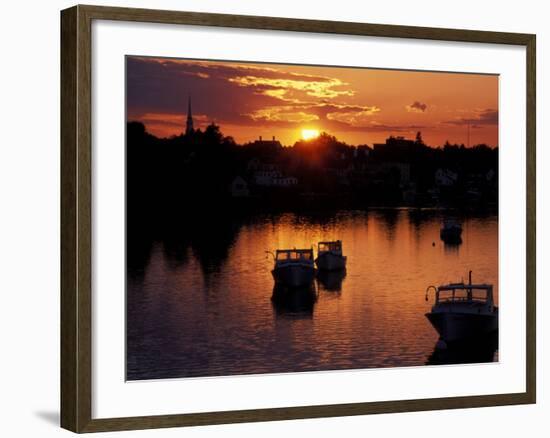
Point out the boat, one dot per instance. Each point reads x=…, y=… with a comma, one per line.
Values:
x=293, y=267
x=329, y=256
x=451, y=232
x=463, y=311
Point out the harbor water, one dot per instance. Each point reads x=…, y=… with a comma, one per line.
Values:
x=199, y=300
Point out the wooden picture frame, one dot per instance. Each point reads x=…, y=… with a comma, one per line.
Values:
x=76, y=218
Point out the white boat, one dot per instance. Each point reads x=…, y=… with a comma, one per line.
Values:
x=293, y=267
x=451, y=232
x=463, y=311
x=330, y=257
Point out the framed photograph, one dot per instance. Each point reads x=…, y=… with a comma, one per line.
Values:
x=268, y=219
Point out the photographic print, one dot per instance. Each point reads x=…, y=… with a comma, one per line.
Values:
x=290, y=218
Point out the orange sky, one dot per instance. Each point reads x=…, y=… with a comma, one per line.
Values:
x=357, y=105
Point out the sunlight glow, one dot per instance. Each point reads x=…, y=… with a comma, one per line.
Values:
x=308, y=134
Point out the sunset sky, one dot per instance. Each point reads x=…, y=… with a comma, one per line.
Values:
x=357, y=105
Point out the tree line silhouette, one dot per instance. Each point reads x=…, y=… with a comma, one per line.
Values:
x=196, y=170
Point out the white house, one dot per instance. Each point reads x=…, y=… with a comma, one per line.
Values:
x=285, y=181
x=266, y=177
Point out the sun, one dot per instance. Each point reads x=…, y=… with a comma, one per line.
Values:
x=308, y=134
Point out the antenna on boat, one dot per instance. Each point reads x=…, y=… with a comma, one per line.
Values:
x=470, y=284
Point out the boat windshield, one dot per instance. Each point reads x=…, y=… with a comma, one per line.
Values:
x=295, y=255
x=330, y=246
x=463, y=294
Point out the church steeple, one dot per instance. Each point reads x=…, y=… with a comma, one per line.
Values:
x=189, y=124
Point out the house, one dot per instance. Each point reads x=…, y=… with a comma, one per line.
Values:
x=445, y=178
x=239, y=188
x=404, y=170
x=267, y=175
x=253, y=164
x=263, y=145
x=285, y=181
x=362, y=151
x=395, y=149
x=342, y=174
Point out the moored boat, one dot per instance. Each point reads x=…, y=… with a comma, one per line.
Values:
x=330, y=256
x=463, y=311
x=293, y=267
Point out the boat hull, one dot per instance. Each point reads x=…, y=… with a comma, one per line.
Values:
x=294, y=275
x=331, y=262
x=454, y=327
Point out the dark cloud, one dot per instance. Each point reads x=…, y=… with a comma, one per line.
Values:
x=237, y=94
x=383, y=127
x=230, y=70
x=417, y=107
x=163, y=88
x=480, y=118
x=245, y=95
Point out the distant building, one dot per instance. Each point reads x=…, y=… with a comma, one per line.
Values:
x=285, y=181
x=410, y=194
x=342, y=174
x=490, y=175
x=239, y=188
x=266, y=176
x=445, y=178
x=266, y=144
x=269, y=175
x=362, y=151
x=404, y=170
x=395, y=149
x=253, y=164
x=189, y=124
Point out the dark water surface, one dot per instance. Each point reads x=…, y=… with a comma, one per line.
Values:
x=199, y=301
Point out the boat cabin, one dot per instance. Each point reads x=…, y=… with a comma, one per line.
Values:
x=335, y=246
x=455, y=293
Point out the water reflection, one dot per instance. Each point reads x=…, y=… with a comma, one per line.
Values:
x=201, y=301
x=473, y=351
x=211, y=241
x=176, y=249
x=294, y=302
x=418, y=216
x=389, y=217
x=452, y=247
x=331, y=281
